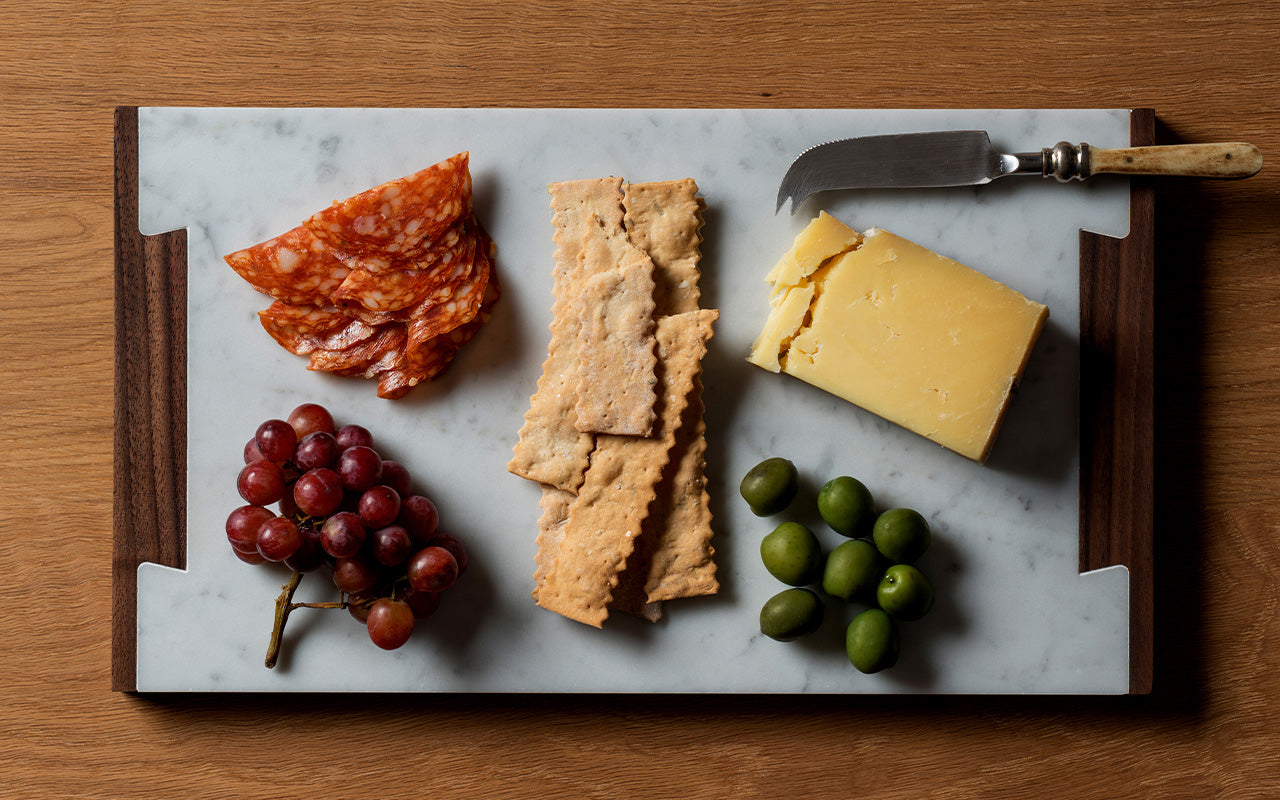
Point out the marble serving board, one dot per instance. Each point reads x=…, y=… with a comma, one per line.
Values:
x=1013, y=615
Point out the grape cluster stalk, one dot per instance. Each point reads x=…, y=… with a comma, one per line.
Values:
x=341, y=507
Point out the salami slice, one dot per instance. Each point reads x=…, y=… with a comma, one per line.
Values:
x=445, y=248
x=400, y=218
x=429, y=359
x=295, y=267
x=442, y=312
x=381, y=352
x=384, y=296
x=302, y=329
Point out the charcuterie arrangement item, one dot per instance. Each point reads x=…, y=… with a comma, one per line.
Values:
x=343, y=509
x=388, y=284
x=615, y=433
x=899, y=330
x=873, y=566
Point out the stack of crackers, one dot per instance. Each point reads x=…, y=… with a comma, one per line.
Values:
x=615, y=433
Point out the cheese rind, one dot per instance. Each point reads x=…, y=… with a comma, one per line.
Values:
x=913, y=336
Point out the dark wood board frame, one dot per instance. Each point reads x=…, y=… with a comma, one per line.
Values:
x=1117, y=291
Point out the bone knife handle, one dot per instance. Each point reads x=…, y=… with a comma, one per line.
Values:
x=1065, y=161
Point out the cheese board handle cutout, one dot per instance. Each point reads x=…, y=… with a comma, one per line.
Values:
x=1217, y=160
x=1117, y=316
x=149, y=503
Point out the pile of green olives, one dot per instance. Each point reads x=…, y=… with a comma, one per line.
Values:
x=874, y=566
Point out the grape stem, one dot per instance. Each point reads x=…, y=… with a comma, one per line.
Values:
x=283, y=607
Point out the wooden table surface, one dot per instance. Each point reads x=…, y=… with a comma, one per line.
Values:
x=1210, y=69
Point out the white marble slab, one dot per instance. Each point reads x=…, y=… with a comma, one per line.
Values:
x=1012, y=615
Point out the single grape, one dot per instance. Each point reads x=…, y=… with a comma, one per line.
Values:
x=287, y=505
x=318, y=492
x=354, y=574
x=379, y=506
x=432, y=569
x=251, y=451
x=343, y=534
x=242, y=527
x=278, y=539
x=359, y=603
x=353, y=436
x=276, y=439
x=261, y=483
x=419, y=516
x=309, y=418
x=254, y=558
x=390, y=623
x=391, y=545
x=423, y=604
x=360, y=467
x=318, y=449
x=309, y=555
x=451, y=543
x=397, y=477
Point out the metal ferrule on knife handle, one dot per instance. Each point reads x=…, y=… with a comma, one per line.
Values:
x=1066, y=162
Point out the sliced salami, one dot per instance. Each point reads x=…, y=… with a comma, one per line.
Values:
x=400, y=218
x=302, y=329
x=384, y=296
x=295, y=267
x=381, y=352
x=443, y=312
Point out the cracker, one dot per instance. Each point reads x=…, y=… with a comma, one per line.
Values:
x=678, y=558
x=664, y=219
x=555, y=513
x=551, y=450
x=615, y=390
x=621, y=483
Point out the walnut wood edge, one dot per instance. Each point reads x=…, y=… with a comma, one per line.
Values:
x=149, y=496
x=1117, y=356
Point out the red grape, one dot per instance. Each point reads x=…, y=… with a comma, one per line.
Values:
x=418, y=515
x=249, y=558
x=343, y=534
x=261, y=483
x=276, y=439
x=318, y=449
x=390, y=623
x=278, y=539
x=423, y=604
x=379, y=506
x=360, y=467
x=354, y=574
x=251, y=451
x=432, y=569
x=397, y=477
x=242, y=527
x=358, y=603
x=353, y=436
x=309, y=555
x=309, y=418
x=391, y=545
x=318, y=492
x=451, y=543
x=288, y=506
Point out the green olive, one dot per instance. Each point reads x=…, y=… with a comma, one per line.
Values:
x=790, y=614
x=904, y=592
x=901, y=534
x=846, y=505
x=792, y=554
x=770, y=486
x=871, y=641
x=853, y=570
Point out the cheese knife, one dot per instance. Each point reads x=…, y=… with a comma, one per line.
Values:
x=966, y=158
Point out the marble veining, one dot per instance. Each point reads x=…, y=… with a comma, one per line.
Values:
x=1013, y=615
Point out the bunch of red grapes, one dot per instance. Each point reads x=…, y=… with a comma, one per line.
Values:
x=343, y=506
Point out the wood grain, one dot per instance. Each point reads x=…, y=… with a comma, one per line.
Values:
x=1212, y=72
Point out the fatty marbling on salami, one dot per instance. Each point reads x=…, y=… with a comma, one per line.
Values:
x=388, y=284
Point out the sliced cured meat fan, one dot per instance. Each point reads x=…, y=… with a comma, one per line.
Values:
x=388, y=284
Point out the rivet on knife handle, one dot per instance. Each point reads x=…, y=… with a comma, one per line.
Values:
x=1220, y=160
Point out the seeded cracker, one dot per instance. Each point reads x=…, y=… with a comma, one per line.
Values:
x=621, y=483
x=615, y=391
x=550, y=449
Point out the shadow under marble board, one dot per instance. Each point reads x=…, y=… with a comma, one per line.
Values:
x=1042, y=559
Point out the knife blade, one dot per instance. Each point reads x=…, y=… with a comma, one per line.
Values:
x=966, y=158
